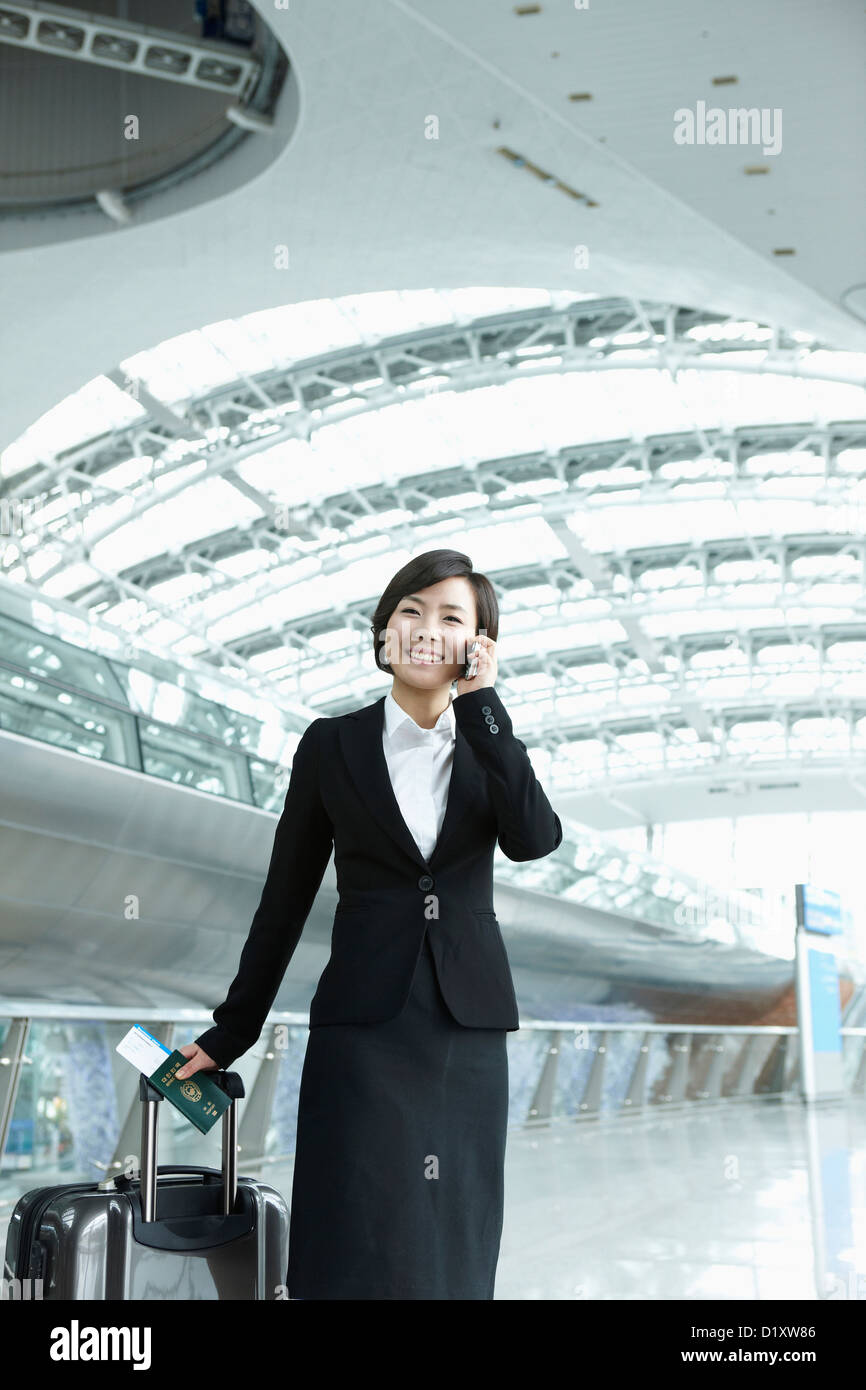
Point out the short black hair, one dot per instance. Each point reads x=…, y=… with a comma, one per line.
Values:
x=420, y=573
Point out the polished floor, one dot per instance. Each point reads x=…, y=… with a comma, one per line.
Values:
x=758, y=1200
x=745, y=1201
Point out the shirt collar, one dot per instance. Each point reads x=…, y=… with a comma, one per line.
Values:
x=397, y=718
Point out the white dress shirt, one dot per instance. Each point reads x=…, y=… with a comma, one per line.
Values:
x=419, y=763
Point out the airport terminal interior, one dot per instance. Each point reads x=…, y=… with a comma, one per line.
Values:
x=291, y=294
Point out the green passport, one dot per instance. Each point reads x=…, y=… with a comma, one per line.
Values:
x=198, y=1097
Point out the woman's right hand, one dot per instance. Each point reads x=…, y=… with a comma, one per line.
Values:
x=198, y=1061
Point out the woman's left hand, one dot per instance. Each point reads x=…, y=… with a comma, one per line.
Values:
x=487, y=666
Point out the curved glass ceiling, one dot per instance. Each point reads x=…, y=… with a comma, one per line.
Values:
x=669, y=503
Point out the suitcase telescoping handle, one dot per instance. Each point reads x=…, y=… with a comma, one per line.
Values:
x=230, y=1082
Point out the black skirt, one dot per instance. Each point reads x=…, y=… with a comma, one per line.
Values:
x=398, y=1181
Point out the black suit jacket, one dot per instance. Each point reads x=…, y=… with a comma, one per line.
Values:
x=340, y=794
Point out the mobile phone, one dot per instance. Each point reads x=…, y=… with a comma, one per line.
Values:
x=471, y=667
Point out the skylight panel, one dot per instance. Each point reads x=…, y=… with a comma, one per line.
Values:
x=225, y=599
x=721, y=398
x=683, y=576
x=340, y=639
x=641, y=740
x=245, y=352
x=834, y=596
x=817, y=731
x=189, y=646
x=181, y=367
x=179, y=588
x=729, y=655
x=787, y=462
x=96, y=409
x=478, y=302
x=582, y=706
x=245, y=562
x=272, y=611
x=784, y=684
x=783, y=653
x=631, y=337
x=317, y=679
x=170, y=479
x=532, y=683
x=70, y=580
x=645, y=693
x=846, y=364
x=648, y=522
x=633, y=764
x=291, y=472
x=345, y=690
x=690, y=755
x=165, y=631
x=104, y=515
x=756, y=732
x=388, y=519
x=533, y=350
x=730, y=685
x=851, y=653
x=123, y=475
x=586, y=753
x=54, y=510
x=494, y=546
x=126, y=614
x=590, y=673
x=22, y=453
x=603, y=527
x=696, y=469
x=456, y=502
x=742, y=330
x=201, y=510
x=298, y=331
x=41, y=559
x=532, y=597
x=708, y=619
x=277, y=659
x=746, y=571
x=825, y=566
x=391, y=313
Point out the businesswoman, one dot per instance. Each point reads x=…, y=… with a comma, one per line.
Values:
x=399, y=1166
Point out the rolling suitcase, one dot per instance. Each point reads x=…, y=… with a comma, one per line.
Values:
x=169, y=1232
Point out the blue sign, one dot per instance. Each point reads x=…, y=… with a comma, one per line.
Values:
x=824, y=1001
x=819, y=909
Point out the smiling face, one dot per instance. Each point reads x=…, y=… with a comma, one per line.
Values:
x=428, y=632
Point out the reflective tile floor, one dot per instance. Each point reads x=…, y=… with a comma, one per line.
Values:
x=746, y=1201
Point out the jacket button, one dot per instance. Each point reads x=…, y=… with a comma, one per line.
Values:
x=485, y=709
x=425, y=883
x=489, y=719
x=494, y=728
